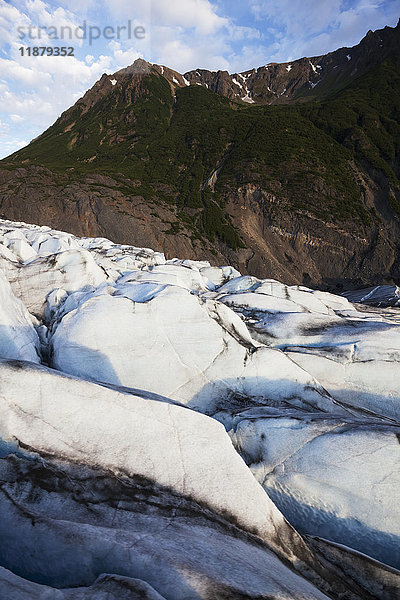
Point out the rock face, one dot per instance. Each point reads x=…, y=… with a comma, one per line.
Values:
x=164, y=434
x=206, y=165
x=96, y=206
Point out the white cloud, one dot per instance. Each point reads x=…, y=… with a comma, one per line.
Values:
x=239, y=32
x=197, y=14
x=4, y=127
x=42, y=14
x=8, y=142
x=48, y=88
x=182, y=52
x=79, y=6
x=248, y=58
x=16, y=118
x=200, y=15
x=123, y=58
x=11, y=145
x=320, y=26
x=31, y=20
x=9, y=16
x=23, y=104
x=298, y=17
x=29, y=76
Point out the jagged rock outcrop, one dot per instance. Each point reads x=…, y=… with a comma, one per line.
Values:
x=280, y=83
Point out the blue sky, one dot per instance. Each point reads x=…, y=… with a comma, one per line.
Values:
x=183, y=34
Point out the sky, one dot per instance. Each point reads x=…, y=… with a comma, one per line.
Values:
x=107, y=35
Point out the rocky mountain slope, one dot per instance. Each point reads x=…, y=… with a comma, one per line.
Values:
x=290, y=171
x=260, y=462
x=302, y=79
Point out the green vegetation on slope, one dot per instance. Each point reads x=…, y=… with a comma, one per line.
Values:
x=300, y=154
x=364, y=119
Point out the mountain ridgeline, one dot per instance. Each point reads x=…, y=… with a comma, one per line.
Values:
x=290, y=171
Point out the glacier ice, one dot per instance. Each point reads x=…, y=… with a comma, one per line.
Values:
x=340, y=476
x=171, y=429
x=18, y=337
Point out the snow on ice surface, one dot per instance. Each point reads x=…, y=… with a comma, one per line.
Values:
x=371, y=385
x=306, y=385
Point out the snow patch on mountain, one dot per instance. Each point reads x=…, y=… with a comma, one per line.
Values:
x=236, y=82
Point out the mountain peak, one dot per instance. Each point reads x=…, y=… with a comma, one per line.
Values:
x=139, y=67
